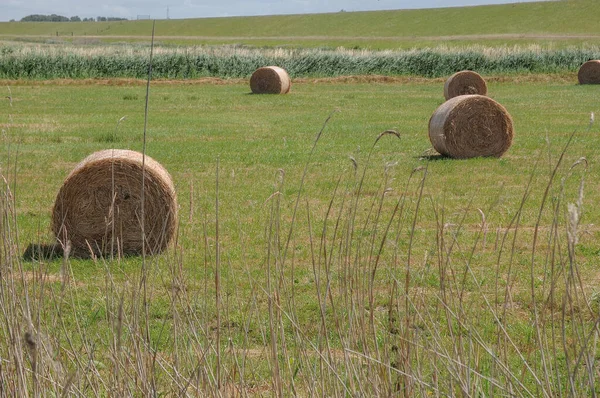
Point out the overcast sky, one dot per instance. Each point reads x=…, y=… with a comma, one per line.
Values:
x=157, y=9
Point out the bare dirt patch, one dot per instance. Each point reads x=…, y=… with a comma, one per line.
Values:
x=119, y=82
x=351, y=79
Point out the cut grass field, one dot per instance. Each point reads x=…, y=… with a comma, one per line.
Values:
x=548, y=23
x=364, y=265
x=286, y=279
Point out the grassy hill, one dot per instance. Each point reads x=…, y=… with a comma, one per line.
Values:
x=538, y=22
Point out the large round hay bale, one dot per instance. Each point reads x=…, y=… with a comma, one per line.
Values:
x=589, y=73
x=99, y=206
x=470, y=126
x=270, y=80
x=463, y=83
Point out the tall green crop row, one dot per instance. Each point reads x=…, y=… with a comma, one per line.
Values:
x=187, y=63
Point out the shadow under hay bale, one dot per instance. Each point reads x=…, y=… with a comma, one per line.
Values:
x=463, y=83
x=470, y=126
x=42, y=252
x=270, y=80
x=99, y=206
x=589, y=72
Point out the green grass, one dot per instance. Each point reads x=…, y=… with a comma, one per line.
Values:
x=356, y=269
x=431, y=278
x=377, y=29
x=190, y=125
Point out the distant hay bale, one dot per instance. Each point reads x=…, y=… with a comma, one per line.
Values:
x=463, y=83
x=470, y=126
x=98, y=207
x=589, y=73
x=270, y=80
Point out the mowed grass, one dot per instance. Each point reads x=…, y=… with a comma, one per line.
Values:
x=308, y=301
x=54, y=126
x=376, y=29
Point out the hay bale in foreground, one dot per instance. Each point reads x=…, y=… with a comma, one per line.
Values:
x=84, y=213
x=589, y=73
x=463, y=83
x=470, y=126
x=270, y=80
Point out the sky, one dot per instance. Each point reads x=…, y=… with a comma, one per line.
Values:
x=176, y=9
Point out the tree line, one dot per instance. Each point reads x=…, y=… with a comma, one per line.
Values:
x=60, y=18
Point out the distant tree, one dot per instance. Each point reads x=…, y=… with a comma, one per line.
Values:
x=44, y=18
x=32, y=18
x=58, y=18
x=12, y=20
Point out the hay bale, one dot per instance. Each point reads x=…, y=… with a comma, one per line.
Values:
x=589, y=73
x=469, y=126
x=99, y=205
x=270, y=80
x=463, y=83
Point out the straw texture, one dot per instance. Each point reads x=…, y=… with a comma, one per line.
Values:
x=470, y=126
x=463, y=83
x=98, y=208
x=270, y=80
x=589, y=73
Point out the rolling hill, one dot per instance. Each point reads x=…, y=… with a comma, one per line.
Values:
x=570, y=20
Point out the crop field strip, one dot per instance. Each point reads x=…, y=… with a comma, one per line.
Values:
x=70, y=61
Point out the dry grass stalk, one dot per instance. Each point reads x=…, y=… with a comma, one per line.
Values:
x=589, y=73
x=463, y=83
x=270, y=80
x=99, y=204
x=470, y=126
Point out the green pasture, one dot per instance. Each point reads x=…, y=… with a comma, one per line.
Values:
x=315, y=256
x=52, y=126
x=444, y=300
x=548, y=23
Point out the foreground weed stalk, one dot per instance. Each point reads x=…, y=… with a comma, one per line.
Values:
x=218, y=281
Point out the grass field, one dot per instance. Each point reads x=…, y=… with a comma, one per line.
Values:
x=314, y=255
x=444, y=302
x=550, y=24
